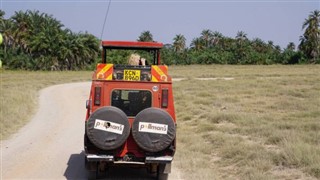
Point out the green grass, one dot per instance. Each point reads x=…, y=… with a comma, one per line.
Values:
x=263, y=124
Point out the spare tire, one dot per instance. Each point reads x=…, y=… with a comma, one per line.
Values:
x=153, y=129
x=108, y=128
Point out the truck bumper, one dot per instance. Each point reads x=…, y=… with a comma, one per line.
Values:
x=110, y=158
x=98, y=158
x=159, y=159
x=163, y=162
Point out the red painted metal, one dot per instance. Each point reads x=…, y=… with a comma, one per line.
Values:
x=132, y=44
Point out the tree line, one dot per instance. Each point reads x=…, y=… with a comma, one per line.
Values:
x=38, y=41
x=212, y=47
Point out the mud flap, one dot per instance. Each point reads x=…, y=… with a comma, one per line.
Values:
x=164, y=168
x=163, y=171
x=90, y=166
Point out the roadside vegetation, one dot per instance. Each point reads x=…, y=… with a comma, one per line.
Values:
x=37, y=41
x=260, y=123
x=20, y=91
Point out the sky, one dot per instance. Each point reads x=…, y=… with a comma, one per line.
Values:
x=270, y=20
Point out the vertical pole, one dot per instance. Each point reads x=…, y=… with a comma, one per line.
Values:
x=158, y=57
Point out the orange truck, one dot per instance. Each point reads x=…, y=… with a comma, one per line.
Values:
x=130, y=117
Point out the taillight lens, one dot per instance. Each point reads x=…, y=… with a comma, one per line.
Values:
x=164, y=100
x=97, y=96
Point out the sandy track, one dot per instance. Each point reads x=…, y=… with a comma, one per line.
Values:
x=51, y=145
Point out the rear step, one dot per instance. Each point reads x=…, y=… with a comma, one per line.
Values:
x=110, y=158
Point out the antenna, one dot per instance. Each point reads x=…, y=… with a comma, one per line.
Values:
x=105, y=19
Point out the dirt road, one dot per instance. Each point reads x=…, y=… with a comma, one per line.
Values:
x=51, y=145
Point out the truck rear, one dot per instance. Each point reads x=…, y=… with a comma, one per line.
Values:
x=130, y=117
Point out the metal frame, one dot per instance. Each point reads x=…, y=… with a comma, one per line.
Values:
x=132, y=45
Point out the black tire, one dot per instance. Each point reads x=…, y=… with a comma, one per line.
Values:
x=105, y=117
x=150, y=141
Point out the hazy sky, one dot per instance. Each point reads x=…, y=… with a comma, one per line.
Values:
x=279, y=21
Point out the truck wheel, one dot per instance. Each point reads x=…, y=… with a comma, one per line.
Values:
x=153, y=129
x=108, y=128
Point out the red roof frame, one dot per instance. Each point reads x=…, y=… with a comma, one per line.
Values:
x=131, y=44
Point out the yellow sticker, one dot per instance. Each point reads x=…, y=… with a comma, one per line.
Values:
x=131, y=75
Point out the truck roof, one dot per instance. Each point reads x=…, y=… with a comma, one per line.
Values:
x=131, y=45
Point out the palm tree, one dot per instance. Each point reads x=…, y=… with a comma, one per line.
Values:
x=241, y=39
x=216, y=37
x=146, y=36
x=89, y=47
x=37, y=41
x=241, y=36
x=197, y=44
x=270, y=44
x=240, y=49
x=310, y=41
x=2, y=13
x=6, y=26
x=259, y=45
x=21, y=21
x=291, y=46
x=277, y=48
x=206, y=36
x=179, y=43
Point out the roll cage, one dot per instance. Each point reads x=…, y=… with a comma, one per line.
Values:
x=153, y=47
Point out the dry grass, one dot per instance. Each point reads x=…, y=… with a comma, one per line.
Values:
x=19, y=95
x=264, y=124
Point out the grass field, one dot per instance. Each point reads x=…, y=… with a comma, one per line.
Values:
x=262, y=124
x=19, y=95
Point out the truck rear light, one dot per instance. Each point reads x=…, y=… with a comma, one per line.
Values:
x=164, y=99
x=97, y=96
x=88, y=104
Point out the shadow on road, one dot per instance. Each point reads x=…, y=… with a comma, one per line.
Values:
x=76, y=170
